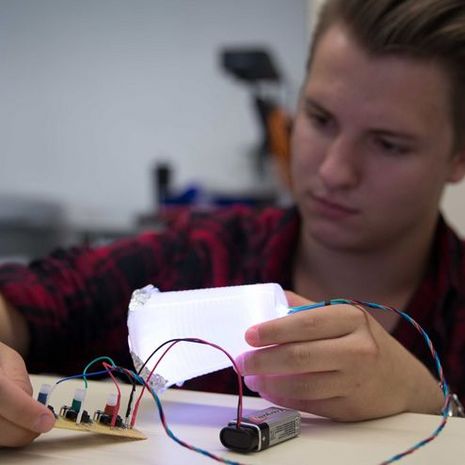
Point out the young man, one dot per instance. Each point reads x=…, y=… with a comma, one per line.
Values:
x=378, y=133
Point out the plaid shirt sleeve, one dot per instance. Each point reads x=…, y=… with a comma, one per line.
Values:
x=75, y=301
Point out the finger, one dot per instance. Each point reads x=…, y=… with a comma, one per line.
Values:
x=13, y=435
x=334, y=408
x=17, y=407
x=12, y=366
x=308, y=325
x=301, y=357
x=309, y=386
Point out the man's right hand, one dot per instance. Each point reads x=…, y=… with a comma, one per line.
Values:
x=22, y=418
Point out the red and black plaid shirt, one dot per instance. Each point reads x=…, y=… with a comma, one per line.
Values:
x=75, y=301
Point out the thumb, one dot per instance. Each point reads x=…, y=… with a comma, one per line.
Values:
x=21, y=409
x=16, y=404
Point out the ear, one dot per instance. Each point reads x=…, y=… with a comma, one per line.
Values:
x=457, y=167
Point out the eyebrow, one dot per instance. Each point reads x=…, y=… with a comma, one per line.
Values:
x=405, y=136
x=309, y=102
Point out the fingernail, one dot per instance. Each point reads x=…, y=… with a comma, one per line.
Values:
x=44, y=423
x=251, y=335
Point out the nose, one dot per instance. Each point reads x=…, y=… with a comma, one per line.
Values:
x=340, y=168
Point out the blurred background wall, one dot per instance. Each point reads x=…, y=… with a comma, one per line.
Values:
x=93, y=92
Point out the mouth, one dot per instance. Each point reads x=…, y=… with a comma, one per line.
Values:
x=330, y=208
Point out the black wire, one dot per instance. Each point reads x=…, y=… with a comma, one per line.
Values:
x=181, y=339
x=133, y=382
x=169, y=341
x=133, y=390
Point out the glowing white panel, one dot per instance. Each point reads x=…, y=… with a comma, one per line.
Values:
x=218, y=315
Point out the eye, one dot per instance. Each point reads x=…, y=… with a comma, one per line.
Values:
x=391, y=147
x=318, y=119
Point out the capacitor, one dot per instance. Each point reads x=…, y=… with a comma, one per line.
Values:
x=111, y=407
x=44, y=392
x=109, y=415
x=78, y=399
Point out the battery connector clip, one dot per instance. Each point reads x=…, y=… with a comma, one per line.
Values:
x=261, y=429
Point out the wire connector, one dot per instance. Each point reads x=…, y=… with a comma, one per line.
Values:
x=456, y=408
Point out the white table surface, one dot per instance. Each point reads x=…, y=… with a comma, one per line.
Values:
x=197, y=418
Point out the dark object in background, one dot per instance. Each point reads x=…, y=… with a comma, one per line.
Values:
x=256, y=68
x=250, y=65
x=30, y=227
x=162, y=179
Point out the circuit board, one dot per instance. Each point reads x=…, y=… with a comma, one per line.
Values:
x=95, y=427
x=75, y=418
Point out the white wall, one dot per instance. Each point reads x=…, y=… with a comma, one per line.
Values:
x=312, y=8
x=453, y=206
x=93, y=91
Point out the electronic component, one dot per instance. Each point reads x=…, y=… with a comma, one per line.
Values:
x=72, y=412
x=75, y=418
x=105, y=419
x=68, y=413
x=105, y=416
x=261, y=429
x=99, y=428
x=44, y=393
x=111, y=407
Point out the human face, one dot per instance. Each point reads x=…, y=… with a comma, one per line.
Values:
x=371, y=146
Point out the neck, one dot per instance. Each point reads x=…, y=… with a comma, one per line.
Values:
x=388, y=276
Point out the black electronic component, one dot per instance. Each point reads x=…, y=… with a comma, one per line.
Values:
x=261, y=430
x=105, y=419
x=85, y=417
x=68, y=413
x=242, y=439
x=101, y=425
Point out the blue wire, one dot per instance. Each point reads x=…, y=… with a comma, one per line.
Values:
x=406, y=316
x=179, y=441
x=82, y=375
x=292, y=310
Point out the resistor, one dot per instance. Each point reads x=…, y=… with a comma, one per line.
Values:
x=78, y=399
x=44, y=391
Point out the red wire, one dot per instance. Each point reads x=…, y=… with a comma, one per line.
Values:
x=198, y=341
x=109, y=369
x=136, y=405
